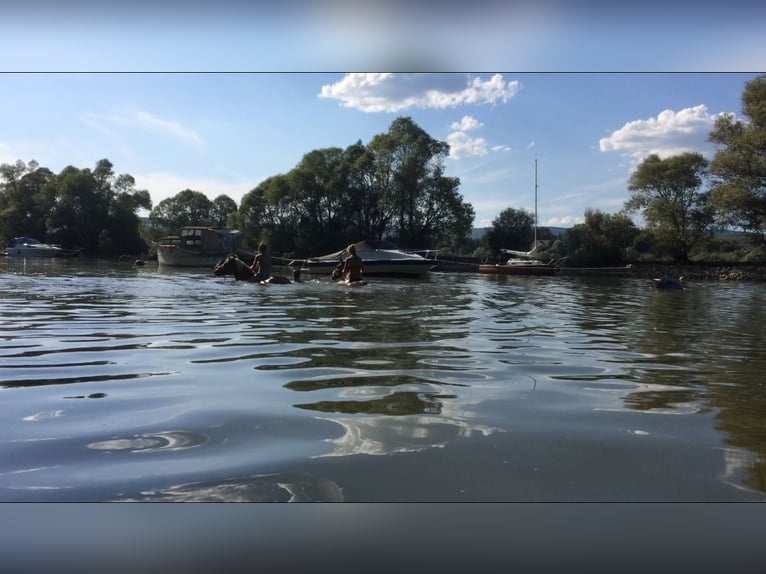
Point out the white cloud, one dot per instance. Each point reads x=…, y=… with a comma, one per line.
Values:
x=670, y=133
x=462, y=145
x=466, y=123
x=567, y=221
x=387, y=92
x=143, y=120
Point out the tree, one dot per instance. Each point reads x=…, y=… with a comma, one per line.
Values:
x=221, y=210
x=124, y=224
x=602, y=240
x=187, y=207
x=668, y=191
x=366, y=191
x=511, y=229
x=408, y=161
x=739, y=165
x=25, y=200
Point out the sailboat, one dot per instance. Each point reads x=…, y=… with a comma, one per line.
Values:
x=522, y=262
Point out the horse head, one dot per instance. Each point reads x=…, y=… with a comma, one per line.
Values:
x=233, y=265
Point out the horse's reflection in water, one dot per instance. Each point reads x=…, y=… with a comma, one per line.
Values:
x=233, y=265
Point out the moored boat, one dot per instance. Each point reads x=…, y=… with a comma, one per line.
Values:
x=381, y=258
x=522, y=262
x=198, y=246
x=31, y=247
x=519, y=267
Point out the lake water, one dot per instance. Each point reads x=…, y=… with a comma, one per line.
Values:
x=146, y=383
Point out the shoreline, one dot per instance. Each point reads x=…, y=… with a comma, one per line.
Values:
x=697, y=271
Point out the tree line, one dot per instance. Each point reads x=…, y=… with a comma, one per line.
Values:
x=395, y=188
x=685, y=201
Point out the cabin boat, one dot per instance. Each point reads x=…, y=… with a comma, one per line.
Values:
x=381, y=258
x=198, y=246
x=30, y=247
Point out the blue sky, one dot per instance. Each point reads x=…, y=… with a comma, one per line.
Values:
x=218, y=100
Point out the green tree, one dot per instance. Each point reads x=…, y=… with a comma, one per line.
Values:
x=601, y=240
x=366, y=191
x=408, y=161
x=511, y=229
x=319, y=183
x=24, y=200
x=79, y=214
x=187, y=207
x=667, y=191
x=222, y=208
x=739, y=165
x=124, y=224
x=271, y=212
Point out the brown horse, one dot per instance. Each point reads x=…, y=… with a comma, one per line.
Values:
x=233, y=265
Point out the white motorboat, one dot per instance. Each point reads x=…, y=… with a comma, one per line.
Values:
x=381, y=258
x=30, y=247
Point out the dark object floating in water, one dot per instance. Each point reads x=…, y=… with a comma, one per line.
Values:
x=90, y=396
x=667, y=283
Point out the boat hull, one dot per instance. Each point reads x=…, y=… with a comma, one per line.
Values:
x=376, y=268
x=179, y=257
x=30, y=247
x=34, y=252
x=503, y=269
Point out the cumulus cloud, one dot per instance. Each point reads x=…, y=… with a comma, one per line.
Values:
x=670, y=133
x=463, y=145
x=389, y=92
x=466, y=123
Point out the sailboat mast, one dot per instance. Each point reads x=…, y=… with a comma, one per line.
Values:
x=534, y=245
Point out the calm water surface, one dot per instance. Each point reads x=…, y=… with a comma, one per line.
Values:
x=123, y=383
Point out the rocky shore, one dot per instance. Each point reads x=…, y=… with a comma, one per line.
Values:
x=696, y=271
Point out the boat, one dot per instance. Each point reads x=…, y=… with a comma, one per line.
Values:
x=522, y=262
x=517, y=265
x=31, y=247
x=381, y=258
x=198, y=246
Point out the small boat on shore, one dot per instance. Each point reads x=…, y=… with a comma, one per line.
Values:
x=198, y=246
x=381, y=259
x=31, y=247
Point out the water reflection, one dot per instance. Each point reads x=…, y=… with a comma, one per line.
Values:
x=154, y=442
x=286, y=487
x=273, y=380
x=382, y=436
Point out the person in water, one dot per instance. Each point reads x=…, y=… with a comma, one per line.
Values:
x=353, y=268
x=262, y=263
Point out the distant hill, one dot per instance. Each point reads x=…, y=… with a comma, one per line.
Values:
x=478, y=232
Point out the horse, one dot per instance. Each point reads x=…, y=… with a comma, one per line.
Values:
x=233, y=265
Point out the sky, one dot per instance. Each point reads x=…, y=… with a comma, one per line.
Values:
x=218, y=97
